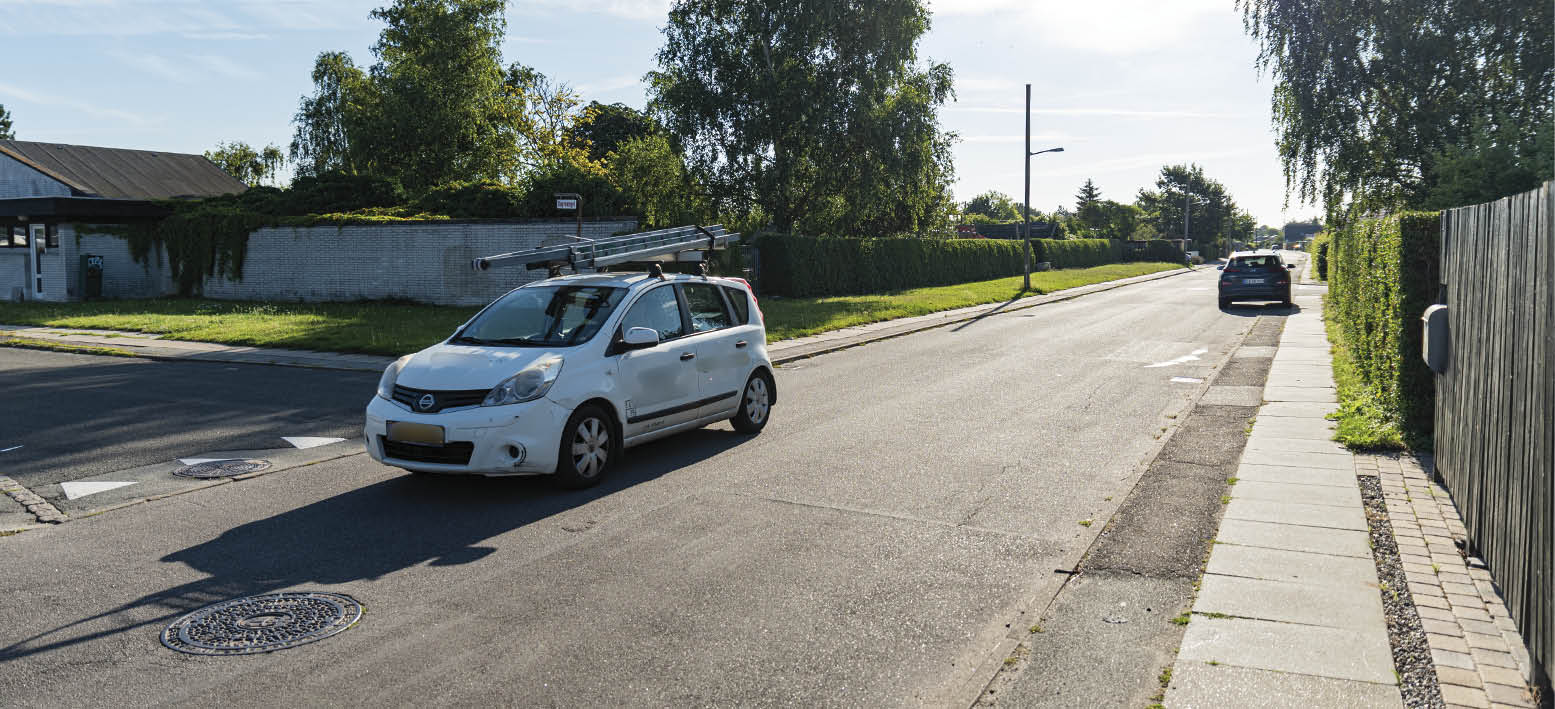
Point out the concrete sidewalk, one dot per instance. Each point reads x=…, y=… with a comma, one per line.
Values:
x=1288, y=612
x=155, y=347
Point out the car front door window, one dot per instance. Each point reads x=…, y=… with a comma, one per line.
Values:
x=657, y=310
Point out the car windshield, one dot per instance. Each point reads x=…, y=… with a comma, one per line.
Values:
x=543, y=316
x=1254, y=263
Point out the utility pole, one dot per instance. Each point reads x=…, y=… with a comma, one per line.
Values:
x=1025, y=211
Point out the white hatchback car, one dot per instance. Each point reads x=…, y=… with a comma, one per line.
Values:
x=560, y=375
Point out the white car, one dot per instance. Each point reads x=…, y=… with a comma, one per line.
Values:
x=560, y=375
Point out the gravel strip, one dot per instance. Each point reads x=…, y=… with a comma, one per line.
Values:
x=1411, y=655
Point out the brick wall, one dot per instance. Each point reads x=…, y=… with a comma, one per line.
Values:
x=425, y=262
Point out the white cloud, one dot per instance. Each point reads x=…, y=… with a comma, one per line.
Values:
x=190, y=18
x=1105, y=26
x=21, y=94
x=222, y=66
x=656, y=10
x=613, y=83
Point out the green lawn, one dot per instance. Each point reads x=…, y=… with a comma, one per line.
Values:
x=397, y=328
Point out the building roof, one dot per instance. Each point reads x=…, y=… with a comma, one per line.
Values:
x=116, y=173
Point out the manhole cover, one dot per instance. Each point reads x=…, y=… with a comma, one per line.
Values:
x=222, y=468
x=274, y=621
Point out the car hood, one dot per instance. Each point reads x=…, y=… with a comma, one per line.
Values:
x=463, y=367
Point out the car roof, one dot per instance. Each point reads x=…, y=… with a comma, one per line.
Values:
x=1239, y=254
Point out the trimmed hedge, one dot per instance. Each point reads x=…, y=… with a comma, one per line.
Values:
x=1077, y=253
x=1382, y=274
x=1317, y=248
x=803, y=266
x=1161, y=250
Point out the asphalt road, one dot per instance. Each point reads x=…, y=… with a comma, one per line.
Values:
x=76, y=415
x=907, y=505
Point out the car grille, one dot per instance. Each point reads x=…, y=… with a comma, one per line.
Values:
x=454, y=453
x=440, y=399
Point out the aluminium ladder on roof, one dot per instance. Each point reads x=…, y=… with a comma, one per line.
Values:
x=599, y=253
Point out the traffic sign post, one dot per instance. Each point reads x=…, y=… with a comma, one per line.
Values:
x=573, y=201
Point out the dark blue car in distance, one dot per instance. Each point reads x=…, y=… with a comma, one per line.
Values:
x=1249, y=275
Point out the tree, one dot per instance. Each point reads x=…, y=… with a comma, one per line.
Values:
x=653, y=177
x=549, y=129
x=816, y=112
x=1116, y=220
x=1085, y=206
x=997, y=206
x=251, y=167
x=5, y=124
x=1181, y=186
x=334, y=124
x=609, y=126
x=1370, y=98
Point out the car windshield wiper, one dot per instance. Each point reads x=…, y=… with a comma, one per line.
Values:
x=467, y=340
x=518, y=341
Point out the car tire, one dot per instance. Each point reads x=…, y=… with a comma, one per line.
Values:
x=755, y=404
x=1225, y=303
x=588, y=448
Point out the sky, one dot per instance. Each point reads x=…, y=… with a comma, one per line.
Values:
x=1124, y=86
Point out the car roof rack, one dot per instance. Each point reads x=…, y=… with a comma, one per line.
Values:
x=597, y=254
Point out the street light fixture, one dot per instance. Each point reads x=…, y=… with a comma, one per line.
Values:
x=1026, y=206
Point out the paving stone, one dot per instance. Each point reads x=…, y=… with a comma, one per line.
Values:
x=1420, y=569
x=1279, y=427
x=1486, y=642
x=1458, y=676
x=1435, y=613
x=1297, y=409
x=1292, y=513
x=1431, y=601
x=1465, y=696
x=1298, y=476
x=1326, y=604
x=1462, y=601
x=1425, y=578
x=1491, y=657
x=1299, y=459
x=1469, y=613
x=1501, y=675
x=1451, y=659
x=1510, y=696
x=1290, y=393
x=1297, y=566
x=1196, y=685
x=1428, y=591
x=1325, y=652
x=1291, y=492
x=1262, y=441
x=1292, y=537
x=1442, y=627
x=1446, y=642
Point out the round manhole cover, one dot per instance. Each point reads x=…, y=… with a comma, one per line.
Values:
x=222, y=468
x=274, y=621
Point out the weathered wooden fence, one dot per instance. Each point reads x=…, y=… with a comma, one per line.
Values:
x=1495, y=403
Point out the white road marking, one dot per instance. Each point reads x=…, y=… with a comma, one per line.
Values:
x=79, y=489
x=1186, y=380
x=8, y=450
x=310, y=441
x=1180, y=360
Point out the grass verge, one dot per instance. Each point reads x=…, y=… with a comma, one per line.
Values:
x=1364, y=423
x=388, y=328
x=800, y=317
x=32, y=344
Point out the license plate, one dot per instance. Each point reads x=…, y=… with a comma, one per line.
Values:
x=423, y=433
x=1253, y=281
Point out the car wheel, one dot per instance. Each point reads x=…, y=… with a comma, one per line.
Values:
x=588, y=447
x=1225, y=303
x=755, y=405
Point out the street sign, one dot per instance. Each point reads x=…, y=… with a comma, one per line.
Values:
x=566, y=204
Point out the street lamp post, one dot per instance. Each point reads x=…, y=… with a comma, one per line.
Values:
x=1026, y=205
x=1187, y=202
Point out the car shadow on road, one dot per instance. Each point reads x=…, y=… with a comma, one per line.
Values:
x=1253, y=310
x=372, y=531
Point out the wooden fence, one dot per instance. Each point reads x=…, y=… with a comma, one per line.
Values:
x=1495, y=403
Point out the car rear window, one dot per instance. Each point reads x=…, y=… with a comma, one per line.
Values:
x=1255, y=263
x=741, y=303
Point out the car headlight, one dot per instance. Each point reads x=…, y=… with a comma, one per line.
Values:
x=390, y=375
x=528, y=385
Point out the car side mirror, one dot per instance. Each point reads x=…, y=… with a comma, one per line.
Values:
x=1290, y=265
x=640, y=338
x=1220, y=268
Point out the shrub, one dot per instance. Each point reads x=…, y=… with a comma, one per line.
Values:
x=1382, y=275
x=1077, y=253
x=1317, y=249
x=801, y=266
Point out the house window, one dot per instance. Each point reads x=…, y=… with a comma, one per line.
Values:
x=17, y=237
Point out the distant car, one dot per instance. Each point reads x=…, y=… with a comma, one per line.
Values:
x=560, y=375
x=1254, y=276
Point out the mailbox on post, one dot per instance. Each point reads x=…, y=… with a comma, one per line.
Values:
x=1433, y=338
x=91, y=276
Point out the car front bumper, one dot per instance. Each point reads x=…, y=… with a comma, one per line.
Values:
x=491, y=434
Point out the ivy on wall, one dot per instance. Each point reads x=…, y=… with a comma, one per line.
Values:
x=199, y=242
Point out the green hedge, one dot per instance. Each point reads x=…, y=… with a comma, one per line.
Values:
x=1382, y=274
x=1317, y=248
x=803, y=266
x=1161, y=250
x=1077, y=253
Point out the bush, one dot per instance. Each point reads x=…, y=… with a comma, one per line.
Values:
x=1159, y=250
x=1382, y=275
x=1077, y=253
x=802, y=266
x=1317, y=249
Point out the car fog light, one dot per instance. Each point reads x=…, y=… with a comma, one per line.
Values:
x=516, y=452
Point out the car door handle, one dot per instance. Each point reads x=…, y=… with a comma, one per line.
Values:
x=686, y=356
x=741, y=343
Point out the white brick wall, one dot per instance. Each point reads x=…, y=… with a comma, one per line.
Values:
x=426, y=262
